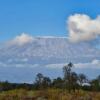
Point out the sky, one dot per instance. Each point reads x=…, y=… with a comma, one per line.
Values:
x=41, y=17
x=78, y=21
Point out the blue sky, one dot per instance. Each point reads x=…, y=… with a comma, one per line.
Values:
x=41, y=17
x=21, y=20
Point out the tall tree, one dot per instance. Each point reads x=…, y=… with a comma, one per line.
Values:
x=67, y=75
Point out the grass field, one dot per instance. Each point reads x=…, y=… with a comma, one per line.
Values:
x=49, y=94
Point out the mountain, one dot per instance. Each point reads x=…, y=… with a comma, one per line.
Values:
x=47, y=50
x=20, y=59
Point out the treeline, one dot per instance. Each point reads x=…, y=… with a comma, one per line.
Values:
x=71, y=81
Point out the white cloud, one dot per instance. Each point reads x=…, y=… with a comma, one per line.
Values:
x=20, y=65
x=95, y=61
x=93, y=64
x=22, y=39
x=83, y=28
x=55, y=65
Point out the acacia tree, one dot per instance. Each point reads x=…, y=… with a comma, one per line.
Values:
x=67, y=75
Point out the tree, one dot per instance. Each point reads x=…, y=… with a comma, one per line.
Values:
x=74, y=79
x=95, y=84
x=98, y=78
x=67, y=75
x=58, y=82
x=46, y=82
x=82, y=79
x=39, y=80
x=42, y=82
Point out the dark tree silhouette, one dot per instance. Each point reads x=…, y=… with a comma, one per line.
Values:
x=39, y=80
x=67, y=75
x=82, y=79
x=95, y=84
x=74, y=79
x=58, y=82
x=46, y=82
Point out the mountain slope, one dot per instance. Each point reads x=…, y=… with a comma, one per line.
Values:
x=47, y=50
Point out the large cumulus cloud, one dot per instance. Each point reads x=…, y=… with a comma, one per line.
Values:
x=83, y=28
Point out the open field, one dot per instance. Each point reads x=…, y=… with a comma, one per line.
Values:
x=48, y=94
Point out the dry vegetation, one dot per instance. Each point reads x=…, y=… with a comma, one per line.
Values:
x=49, y=94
